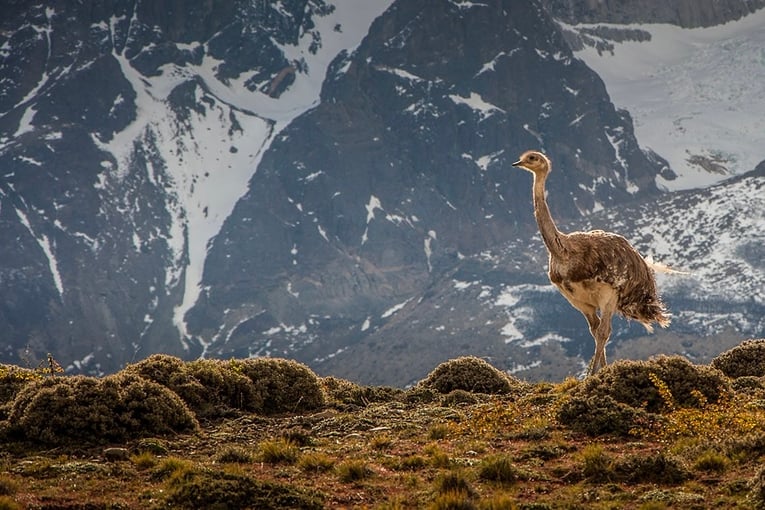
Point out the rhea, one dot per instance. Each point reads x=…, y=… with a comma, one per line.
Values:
x=598, y=272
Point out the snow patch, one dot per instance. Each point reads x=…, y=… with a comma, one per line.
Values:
x=695, y=94
x=394, y=309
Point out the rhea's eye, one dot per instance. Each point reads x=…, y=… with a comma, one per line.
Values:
x=532, y=158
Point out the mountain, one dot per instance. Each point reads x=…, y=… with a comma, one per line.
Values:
x=330, y=181
x=694, y=93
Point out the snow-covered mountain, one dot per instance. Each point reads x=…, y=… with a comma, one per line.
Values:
x=329, y=180
x=695, y=94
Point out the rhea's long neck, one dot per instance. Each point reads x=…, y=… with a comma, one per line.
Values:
x=550, y=234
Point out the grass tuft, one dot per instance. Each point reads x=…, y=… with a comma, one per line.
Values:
x=500, y=469
x=278, y=451
x=352, y=471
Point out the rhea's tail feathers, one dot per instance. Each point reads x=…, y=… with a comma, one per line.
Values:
x=662, y=320
x=662, y=268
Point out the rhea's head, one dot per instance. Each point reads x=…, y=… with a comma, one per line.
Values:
x=535, y=162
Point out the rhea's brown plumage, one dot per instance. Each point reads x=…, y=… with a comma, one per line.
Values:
x=598, y=272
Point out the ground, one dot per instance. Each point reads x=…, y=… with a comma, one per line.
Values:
x=397, y=449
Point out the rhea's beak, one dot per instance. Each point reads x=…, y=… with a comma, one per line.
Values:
x=517, y=163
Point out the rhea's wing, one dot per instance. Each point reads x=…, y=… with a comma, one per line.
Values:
x=610, y=258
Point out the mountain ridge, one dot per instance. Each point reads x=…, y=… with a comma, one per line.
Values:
x=286, y=180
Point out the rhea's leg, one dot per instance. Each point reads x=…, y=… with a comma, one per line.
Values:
x=593, y=321
x=603, y=333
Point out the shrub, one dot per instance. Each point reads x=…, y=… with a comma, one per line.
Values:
x=160, y=368
x=12, y=379
x=459, y=397
x=597, y=415
x=655, y=468
x=211, y=388
x=90, y=410
x=217, y=387
x=748, y=446
x=747, y=359
x=284, y=385
x=153, y=445
x=471, y=374
x=230, y=490
x=145, y=408
x=632, y=383
x=346, y=393
x=749, y=384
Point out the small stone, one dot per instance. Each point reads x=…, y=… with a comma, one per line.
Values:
x=116, y=454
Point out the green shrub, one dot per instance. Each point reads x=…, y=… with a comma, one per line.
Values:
x=749, y=446
x=747, y=359
x=12, y=379
x=631, y=383
x=284, y=385
x=160, y=368
x=459, y=397
x=91, y=410
x=596, y=415
x=346, y=393
x=471, y=374
x=749, y=384
x=211, y=388
x=229, y=490
x=657, y=468
x=214, y=388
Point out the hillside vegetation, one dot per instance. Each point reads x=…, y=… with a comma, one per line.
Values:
x=269, y=433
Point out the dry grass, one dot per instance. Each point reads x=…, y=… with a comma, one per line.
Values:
x=686, y=447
